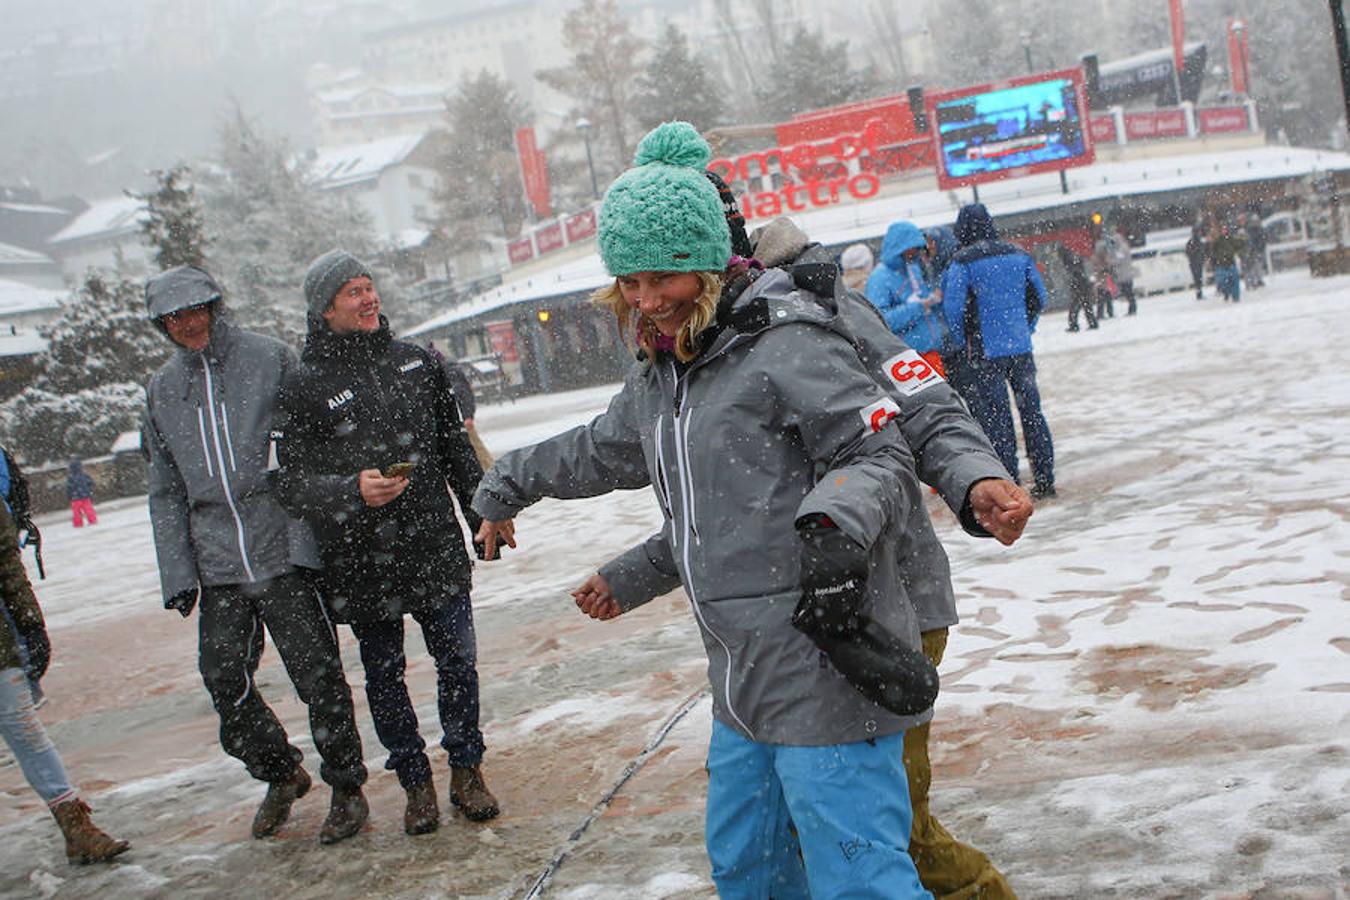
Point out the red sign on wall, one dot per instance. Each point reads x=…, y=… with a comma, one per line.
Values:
x=1223, y=119
x=1103, y=128
x=549, y=238
x=533, y=172
x=580, y=226
x=520, y=250
x=502, y=336
x=1161, y=124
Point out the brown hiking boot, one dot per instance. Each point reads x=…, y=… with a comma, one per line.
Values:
x=346, y=815
x=423, y=814
x=85, y=842
x=276, y=806
x=470, y=794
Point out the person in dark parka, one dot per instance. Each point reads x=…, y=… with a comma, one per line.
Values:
x=390, y=541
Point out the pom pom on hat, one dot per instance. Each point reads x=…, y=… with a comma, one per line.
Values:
x=664, y=215
x=675, y=144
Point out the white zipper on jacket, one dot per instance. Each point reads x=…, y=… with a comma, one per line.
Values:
x=686, y=490
x=229, y=442
x=225, y=479
x=206, y=448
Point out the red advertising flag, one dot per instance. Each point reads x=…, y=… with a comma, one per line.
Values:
x=533, y=172
x=1237, y=56
x=1178, y=39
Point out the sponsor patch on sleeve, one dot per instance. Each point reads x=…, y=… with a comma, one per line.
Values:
x=911, y=373
x=878, y=414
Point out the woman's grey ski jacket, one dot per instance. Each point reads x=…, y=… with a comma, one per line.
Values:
x=775, y=419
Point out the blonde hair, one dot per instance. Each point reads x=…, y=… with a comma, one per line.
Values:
x=644, y=331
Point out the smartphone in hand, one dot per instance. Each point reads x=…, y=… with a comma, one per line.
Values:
x=398, y=470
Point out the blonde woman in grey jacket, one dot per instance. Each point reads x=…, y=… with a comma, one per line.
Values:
x=782, y=483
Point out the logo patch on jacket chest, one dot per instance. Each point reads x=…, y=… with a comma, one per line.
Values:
x=408, y=367
x=341, y=398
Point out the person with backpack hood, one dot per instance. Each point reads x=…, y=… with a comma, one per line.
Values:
x=370, y=446
x=899, y=288
x=225, y=545
x=746, y=398
x=992, y=296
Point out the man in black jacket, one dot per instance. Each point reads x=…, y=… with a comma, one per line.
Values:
x=371, y=437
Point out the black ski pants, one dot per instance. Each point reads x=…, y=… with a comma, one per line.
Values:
x=307, y=643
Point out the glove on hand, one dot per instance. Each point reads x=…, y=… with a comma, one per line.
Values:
x=39, y=652
x=183, y=601
x=834, y=584
x=884, y=669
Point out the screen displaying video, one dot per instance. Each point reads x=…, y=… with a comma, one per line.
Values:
x=1023, y=128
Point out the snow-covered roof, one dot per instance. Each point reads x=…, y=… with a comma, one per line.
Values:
x=35, y=208
x=409, y=238
x=1162, y=54
x=127, y=442
x=846, y=223
x=410, y=89
x=334, y=167
x=17, y=297
x=28, y=343
x=11, y=255
x=110, y=216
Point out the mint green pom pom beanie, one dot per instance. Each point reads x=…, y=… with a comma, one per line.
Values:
x=664, y=215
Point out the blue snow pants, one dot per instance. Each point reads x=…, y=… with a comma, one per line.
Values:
x=787, y=822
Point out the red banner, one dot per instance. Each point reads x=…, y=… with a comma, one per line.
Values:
x=533, y=172
x=548, y=238
x=502, y=336
x=580, y=226
x=1162, y=124
x=1238, y=68
x=1178, y=37
x=520, y=250
x=1222, y=119
x=1103, y=129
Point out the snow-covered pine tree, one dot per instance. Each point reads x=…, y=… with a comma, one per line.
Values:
x=174, y=226
x=677, y=84
x=91, y=386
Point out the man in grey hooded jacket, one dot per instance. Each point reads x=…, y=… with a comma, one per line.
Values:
x=221, y=536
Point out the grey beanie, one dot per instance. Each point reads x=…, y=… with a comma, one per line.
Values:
x=326, y=275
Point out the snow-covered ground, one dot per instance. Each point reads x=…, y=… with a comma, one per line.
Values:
x=1149, y=696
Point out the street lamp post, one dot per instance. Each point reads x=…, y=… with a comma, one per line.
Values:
x=1026, y=50
x=584, y=129
x=1342, y=52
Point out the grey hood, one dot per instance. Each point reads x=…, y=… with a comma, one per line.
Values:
x=179, y=288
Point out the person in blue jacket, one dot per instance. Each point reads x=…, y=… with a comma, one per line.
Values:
x=992, y=296
x=900, y=289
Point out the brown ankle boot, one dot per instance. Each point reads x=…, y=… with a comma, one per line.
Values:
x=346, y=815
x=469, y=792
x=276, y=806
x=423, y=814
x=85, y=842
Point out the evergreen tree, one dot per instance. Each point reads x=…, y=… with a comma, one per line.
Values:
x=812, y=73
x=678, y=85
x=480, y=191
x=601, y=77
x=100, y=353
x=266, y=223
x=174, y=225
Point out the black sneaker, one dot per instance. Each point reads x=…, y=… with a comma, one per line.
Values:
x=1042, y=491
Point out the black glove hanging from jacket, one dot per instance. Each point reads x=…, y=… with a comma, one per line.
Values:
x=39, y=650
x=183, y=601
x=878, y=664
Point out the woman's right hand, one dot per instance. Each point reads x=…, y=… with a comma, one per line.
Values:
x=376, y=490
x=491, y=533
x=595, y=599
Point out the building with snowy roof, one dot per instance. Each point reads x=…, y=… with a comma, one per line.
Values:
x=105, y=236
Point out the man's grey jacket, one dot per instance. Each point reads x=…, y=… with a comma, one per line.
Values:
x=207, y=427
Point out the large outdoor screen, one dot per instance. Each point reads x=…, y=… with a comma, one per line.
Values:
x=1019, y=127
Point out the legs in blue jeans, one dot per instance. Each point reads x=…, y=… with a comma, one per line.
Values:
x=449, y=635
x=28, y=740
x=849, y=804
x=994, y=413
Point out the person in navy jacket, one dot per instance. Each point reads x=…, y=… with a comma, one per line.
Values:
x=992, y=297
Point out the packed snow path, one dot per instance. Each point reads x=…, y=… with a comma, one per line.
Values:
x=1149, y=696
